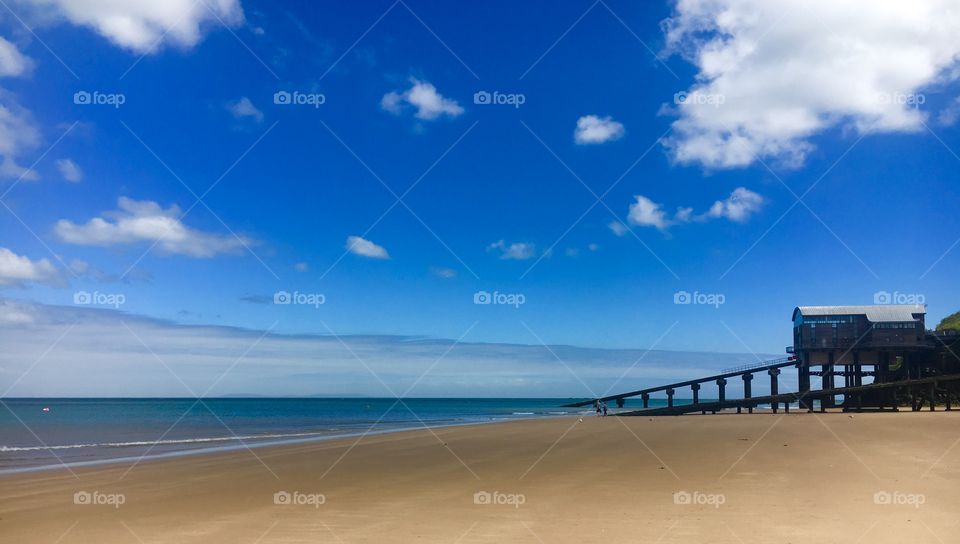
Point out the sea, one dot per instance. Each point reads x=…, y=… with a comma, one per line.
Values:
x=49, y=433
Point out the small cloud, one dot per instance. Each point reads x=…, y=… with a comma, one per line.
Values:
x=301, y=267
x=13, y=313
x=243, y=109
x=444, y=273
x=617, y=227
x=69, y=170
x=517, y=251
x=18, y=270
x=79, y=267
x=12, y=61
x=423, y=96
x=366, y=248
x=597, y=130
x=18, y=135
x=141, y=221
x=593, y=247
x=647, y=213
x=738, y=207
x=257, y=299
x=949, y=115
x=571, y=252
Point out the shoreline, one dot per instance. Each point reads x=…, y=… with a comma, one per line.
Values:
x=240, y=445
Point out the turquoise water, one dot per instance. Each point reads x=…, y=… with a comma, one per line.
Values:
x=84, y=431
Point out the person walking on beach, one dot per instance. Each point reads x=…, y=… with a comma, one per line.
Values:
x=596, y=404
x=604, y=409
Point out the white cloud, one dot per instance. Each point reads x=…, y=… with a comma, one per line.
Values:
x=143, y=26
x=789, y=70
x=139, y=221
x=949, y=115
x=17, y=135
x=647, y=213
x=12, y=61
x=243, y=108
x=517, y=251
x=739, y=206
x=19, y=270
x=444, y=273
x=69, y=170
x=301, y=267
x=366, y=248
x=597, y=130
x=424, y=97
x=13, y=313
x=617, y=227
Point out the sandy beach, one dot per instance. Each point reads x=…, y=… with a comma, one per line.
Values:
x=722, y=478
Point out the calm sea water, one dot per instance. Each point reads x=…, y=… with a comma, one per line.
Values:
x=40, y=433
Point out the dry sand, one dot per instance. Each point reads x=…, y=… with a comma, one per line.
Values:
x=780, y=478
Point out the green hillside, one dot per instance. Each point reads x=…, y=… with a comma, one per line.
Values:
x=951, y=322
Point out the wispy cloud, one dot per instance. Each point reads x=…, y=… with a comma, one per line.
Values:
x=738, y=207
x=142, y=221
x=243, y=109
x=517, y=251
x=12, y=61
x=143, y=26
x=100, y=343
x=69, y=170
x=18, y=134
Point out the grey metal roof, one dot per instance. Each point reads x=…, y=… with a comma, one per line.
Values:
x=876, y=313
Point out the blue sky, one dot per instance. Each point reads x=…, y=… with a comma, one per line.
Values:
x=502, y=198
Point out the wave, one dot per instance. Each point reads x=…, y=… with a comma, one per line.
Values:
x=4, y=449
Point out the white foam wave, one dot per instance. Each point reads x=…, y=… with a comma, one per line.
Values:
x=4, y=449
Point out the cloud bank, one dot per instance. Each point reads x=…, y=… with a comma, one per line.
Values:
x=107, y=344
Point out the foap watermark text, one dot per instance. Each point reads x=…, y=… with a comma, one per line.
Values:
x=897, y=498
x=896, y=297
x=688, y=498
x=96, y=298
x=298, y=498
x=96, y=498
x=497, y=98
x=706, y=299
x=501, y=499
x=299, y=299
x=297, y=98
x=97, y=98
x=497, y=298
x=699, y=99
